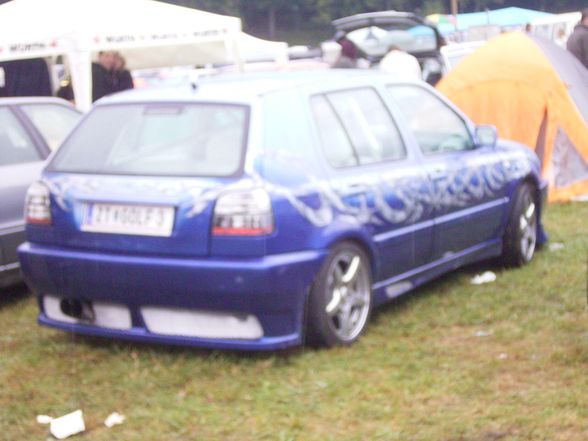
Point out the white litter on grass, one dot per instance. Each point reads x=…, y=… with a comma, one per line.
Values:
x=114, y=419
x=483, y=334
x=556, y=246
x=44, y=419
x=64, y=426
x=581, y=198
x=503, y=356
x=486, y=277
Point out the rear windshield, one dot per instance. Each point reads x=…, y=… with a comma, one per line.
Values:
x=377, y=40
x=157, y=139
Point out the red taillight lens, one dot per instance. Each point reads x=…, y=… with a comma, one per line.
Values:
x=38, y=204
x=243, y=213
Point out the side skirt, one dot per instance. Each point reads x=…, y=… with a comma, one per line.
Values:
x=387, y=290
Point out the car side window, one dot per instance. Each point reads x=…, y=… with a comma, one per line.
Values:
x=16, y=146
x=335, y=142
x=368, y=124
x=437, y=128
x=365, y=130
x=52, y=120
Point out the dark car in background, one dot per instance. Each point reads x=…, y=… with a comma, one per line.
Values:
x=374, y=32
x=30, y=128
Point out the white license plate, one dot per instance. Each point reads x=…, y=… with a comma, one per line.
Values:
x=140, y=220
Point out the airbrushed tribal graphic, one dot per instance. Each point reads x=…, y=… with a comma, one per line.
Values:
x=458, y=189
x=61, y=186
x=412, y=200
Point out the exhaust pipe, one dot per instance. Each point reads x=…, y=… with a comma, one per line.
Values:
x=78, y=309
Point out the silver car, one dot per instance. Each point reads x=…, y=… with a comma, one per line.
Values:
x=29, y=129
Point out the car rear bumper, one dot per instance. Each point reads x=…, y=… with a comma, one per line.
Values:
x=157, y=297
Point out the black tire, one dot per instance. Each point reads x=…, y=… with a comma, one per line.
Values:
x=340, y=301
x=520, y=237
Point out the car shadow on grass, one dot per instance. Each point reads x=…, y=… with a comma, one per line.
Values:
x=176, y=350
x=438, y=286
x=11, y=295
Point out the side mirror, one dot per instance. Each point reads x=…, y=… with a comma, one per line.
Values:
x=486, y=136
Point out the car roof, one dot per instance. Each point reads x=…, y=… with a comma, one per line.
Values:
x=34, y=100
x=238, y=88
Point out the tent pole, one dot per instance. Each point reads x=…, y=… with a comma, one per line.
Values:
x=80, y=64
x=237, y=53
x=55, y=80
x=454, y=12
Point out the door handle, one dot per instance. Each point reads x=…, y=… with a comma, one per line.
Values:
x=437, y=173
x=355, y=189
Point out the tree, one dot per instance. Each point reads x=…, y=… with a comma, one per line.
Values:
x=271, y=10
x=433, y=7
x=266, y=17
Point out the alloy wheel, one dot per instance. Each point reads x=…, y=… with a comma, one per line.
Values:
x=348, y=283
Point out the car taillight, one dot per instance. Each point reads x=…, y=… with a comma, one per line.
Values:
x=38, y=204
x=243, y=213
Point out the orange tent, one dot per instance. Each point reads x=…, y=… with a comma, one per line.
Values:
x=535, y=93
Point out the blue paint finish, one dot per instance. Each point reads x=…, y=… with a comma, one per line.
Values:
x=417, y=218
x=272, y=288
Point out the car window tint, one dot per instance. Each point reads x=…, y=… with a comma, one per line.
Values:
x=16, y=146
x=52, y=120
x=334, y=140
x=369, y=125
x=157, y=139
x=437, y=128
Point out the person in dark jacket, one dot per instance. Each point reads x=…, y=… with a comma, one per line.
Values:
x=578, y=41
x=65, y=90
x=121, y=78
x=102, y=76
x=26, y=78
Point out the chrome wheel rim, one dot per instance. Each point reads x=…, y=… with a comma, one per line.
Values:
x=349, y=295
x=528, y=228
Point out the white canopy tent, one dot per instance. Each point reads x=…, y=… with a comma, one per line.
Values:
x=256, y=49
x=146, y=32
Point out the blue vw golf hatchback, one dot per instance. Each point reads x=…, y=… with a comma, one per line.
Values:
x=259, y=212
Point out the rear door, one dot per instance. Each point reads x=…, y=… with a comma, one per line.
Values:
x=21, y=161
x=381, y=184
x=469, y=192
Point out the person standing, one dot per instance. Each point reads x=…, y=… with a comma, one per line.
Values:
x=403, y=64
x=578, y=41
x=349, y=54
x=121, y=78
x=65, y=90
x=102, y=75
x=561, y=38
x=25, y=78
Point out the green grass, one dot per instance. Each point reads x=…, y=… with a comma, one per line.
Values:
x=419, y=373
